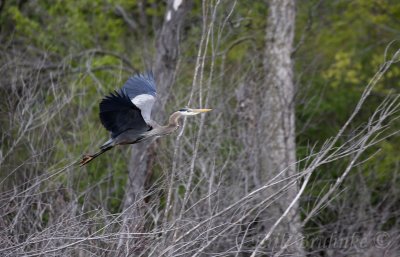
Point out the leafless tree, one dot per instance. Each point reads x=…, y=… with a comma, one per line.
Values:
x=167, y=56
x=273, y=148
x=210, y=197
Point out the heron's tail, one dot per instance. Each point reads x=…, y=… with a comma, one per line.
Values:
x=89, y=157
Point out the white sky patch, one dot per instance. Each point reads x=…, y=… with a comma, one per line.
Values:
x=168, y=18
x=176, y=4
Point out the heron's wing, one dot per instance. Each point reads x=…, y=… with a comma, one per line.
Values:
x=141, y=89
x=118, y=114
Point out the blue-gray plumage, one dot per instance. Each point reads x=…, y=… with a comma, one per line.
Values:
x=140, y=84
x=126, y=114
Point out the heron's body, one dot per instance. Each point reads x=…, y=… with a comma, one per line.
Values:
x=132, y=136
x=127, y=115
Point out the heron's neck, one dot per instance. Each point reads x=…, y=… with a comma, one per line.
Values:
x=174, y=119
x=167, y=129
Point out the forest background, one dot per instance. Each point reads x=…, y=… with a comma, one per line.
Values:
x=203, y=191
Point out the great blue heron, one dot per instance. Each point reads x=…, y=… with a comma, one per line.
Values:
x=126, y=114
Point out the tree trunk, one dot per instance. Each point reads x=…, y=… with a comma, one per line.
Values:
x=142, y=157
x=277, y=130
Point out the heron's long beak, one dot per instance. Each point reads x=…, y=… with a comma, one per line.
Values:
x=200, y=110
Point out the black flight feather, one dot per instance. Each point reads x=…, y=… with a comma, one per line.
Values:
x=119, y=114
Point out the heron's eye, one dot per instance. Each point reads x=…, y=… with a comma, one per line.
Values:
x=183, y=110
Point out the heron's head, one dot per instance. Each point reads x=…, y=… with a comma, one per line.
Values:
x=191, y=112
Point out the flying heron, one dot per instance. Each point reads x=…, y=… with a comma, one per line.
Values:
x=126, y=113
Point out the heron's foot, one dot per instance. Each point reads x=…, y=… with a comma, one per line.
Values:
x=85, y=159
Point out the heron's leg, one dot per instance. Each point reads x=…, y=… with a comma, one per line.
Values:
x=85, y=159
x=88, y=157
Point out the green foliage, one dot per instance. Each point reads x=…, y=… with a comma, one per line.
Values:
x=69, y=31
x=69, y=26
x=342, y=46
x=23, y=24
